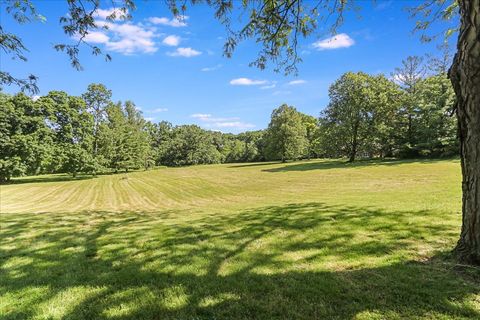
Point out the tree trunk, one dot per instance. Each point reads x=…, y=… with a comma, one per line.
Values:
x=353, y=151
x=465, y=77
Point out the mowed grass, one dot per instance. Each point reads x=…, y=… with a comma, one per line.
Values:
x=304, y=240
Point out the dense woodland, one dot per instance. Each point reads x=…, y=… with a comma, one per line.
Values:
x=407, y=115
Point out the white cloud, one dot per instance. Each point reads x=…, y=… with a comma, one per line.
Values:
x=201, y=115
x=234, y=124
x=131, y=38
x=171, y=40
x=247, y=82
x=158, y=110
x=268, y=87
x=35, y=97
x=206, y=69
x=338, y=41
x=206, y=117
x=125, y=38
x=105, y=13
x=208, y=121
x=296, y=82
x=179, y=21
x=150, y=119
x=184, y=52
x=96, y=37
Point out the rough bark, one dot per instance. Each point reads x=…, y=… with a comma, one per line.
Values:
x=465, y=77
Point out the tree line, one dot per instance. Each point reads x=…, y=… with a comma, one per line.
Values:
x=368, y=116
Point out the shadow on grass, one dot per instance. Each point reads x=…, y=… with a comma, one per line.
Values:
x=303, y=261
x=61, y=177
x=341, y=164
x=256, y=164
x=50, y=178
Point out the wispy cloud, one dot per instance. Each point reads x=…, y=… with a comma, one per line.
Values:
x=171, y=41
x=184, y=52
x=281, y=92
x=338, y=41
x=382, y=5
x=233, y=124
x=271, y=86
x=208, y=121
x=179, y=21
x=247, y=82
x=207, y=69
x=158, y=110
x=296, y=82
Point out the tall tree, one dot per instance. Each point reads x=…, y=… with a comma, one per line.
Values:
x=436, y=126
x=311, y=127
x=360, y=109
x=72, y=125
x=97, y=98
x=408, y=77
x=286, y=134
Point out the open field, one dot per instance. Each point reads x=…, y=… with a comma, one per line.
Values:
x=305, y=240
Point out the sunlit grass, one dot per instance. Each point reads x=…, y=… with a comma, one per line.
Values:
x=305, y=240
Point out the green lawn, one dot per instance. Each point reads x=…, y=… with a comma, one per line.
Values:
x=304, y=240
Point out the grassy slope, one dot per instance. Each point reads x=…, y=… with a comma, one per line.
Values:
x=318, y=239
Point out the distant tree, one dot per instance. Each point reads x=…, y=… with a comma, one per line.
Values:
x=190, y=145
x=254, y=145
x=26, y=145
x=72, y=126
x=97, y=98
x=286, y=135
x=236, y=151
x=11, y=162
x=437, y=129
x=311, y=128
x=160, y=138
x=358, y=115
x=408, y=76
x=123, y=139
x=139, y=143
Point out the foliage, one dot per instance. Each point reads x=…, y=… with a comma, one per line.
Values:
x=190, y=145
x=286, y=135
x=359, y=116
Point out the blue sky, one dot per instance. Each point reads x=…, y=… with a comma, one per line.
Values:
x=174, y=70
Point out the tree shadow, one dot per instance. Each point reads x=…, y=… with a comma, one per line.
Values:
x=49, y=178
x=308, y=261
x=256, y=164
x=342, y=164
x=60, y=177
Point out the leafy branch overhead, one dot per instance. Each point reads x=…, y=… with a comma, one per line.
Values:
x=276, y=26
